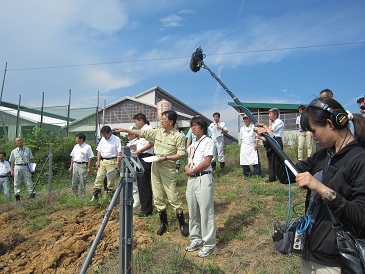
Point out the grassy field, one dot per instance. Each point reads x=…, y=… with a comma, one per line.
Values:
x=246, y=211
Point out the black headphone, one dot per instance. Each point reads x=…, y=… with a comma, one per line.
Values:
x=338, y=117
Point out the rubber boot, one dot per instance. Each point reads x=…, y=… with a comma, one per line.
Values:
x=96, y=193
x=164, y=223
x=17, y=198
x=214, y=164
x=32, y=195
x=184, y=230
x=222, y=165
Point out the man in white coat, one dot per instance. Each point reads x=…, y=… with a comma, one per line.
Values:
x=249, y=144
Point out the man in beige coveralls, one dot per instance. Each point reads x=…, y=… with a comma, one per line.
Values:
x=169, y=146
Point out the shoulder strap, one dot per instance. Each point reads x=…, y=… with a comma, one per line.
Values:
x=332, y=169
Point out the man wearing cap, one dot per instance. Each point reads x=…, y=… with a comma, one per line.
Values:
x=19, y=159
x=249, y=154
x=277, y=127
x=80, y=166
x=109, y=151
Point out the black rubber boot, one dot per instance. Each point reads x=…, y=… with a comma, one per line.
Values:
x=96, y=193
x=214, y=164
x=164, y=223
x=17, y=198
x=32, y=196
x=222, y=165
x=184, y=230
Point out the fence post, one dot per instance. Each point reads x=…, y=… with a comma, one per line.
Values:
x=50, y=169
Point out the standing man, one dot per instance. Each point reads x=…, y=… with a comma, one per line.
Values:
x=249, y=154
x=19, y=159
x=218, y=130
x=178, y=162
x=304, y=138
x=4, y=175
x=361, y=104
x=169, y=147
x=108, y=158
x=144, y=149
x=133, y=141
x=190, y=137
x=80, y=165
x=200, y=190
x=326, y=93
x=277, y=127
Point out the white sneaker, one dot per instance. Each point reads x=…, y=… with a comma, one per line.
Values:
x=194, y=245
x=205, y=251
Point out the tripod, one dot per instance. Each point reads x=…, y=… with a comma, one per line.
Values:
x=130, y=169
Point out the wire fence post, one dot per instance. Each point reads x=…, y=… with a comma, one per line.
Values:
x=50, y=169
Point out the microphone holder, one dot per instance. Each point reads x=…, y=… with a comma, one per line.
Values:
x=130, y=169
x=199, y=56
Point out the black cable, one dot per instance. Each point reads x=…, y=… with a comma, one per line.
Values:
x=183, y=57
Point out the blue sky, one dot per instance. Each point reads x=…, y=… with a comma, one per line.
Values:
x=263, y=51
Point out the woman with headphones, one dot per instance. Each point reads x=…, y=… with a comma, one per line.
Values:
x=333, y=176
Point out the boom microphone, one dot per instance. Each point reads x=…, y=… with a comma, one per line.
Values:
x=196, y=59
x=196, y=62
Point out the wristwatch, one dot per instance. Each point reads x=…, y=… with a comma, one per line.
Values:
x=330, y=196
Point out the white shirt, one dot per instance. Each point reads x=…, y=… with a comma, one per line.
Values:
x=134, y=144
x=4, y=168
x=109, y=148
x=81, y=153
x=200, y=149
x=143, y=142
x=298, y=123
x=216, y=133
x=278, y=127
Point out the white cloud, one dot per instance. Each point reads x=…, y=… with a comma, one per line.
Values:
x=172, y=20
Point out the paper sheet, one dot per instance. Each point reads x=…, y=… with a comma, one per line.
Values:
x=150, y=159
x=110, y=175
x=32, y=166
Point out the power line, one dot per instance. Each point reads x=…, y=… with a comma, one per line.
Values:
x=183, y=57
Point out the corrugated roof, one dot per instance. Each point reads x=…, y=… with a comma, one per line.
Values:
x=264, y=107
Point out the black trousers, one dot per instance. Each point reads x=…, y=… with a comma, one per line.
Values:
x=270, y=158
x=144, y=186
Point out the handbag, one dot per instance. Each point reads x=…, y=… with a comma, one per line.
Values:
x=283, y=241
x=351, y=249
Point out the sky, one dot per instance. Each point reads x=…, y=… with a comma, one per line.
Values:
x=263, y=51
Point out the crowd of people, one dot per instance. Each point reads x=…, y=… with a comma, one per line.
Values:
x=335, y=130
